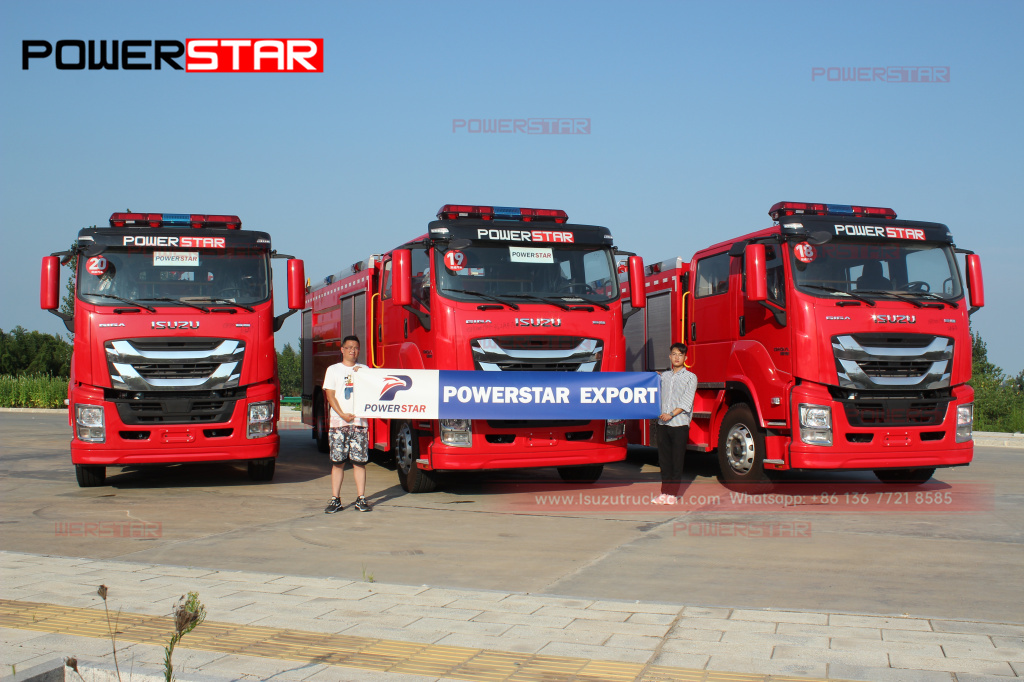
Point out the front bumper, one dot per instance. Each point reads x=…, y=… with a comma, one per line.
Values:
x=881, y=446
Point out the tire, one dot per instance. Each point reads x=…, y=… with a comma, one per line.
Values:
x=583, y=474
x=406, y=447
x=904, y=476
x=741, y=450
x=320, y=424
x=262, y=469
x=90, y=476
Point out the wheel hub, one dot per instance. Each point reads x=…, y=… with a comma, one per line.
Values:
x=739, y=449
x=403, y=446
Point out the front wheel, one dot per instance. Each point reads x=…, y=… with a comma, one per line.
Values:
x=741, y=449
x=406, y=447
x=89, y=476
x=584, y=474
x=904, y=476
x=262, y=469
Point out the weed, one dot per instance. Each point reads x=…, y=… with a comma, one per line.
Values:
x=367, y=577
x=111, y=629
x=188, y=613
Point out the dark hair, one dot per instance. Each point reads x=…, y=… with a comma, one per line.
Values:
x=681, y=347
x=351, y=338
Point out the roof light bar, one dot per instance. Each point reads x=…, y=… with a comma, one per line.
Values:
x=787, y=208
x=455, y=211
x=231, y=222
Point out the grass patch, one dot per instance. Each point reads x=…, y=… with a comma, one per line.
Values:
x=33, y=391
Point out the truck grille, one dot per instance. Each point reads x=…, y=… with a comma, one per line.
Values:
x=141, y=409
x=872, y=361
x=918, y=411
x=537, y=354
x=172, y=364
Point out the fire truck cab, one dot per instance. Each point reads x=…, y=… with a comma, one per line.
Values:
x=836, y=339
x=174, y=357
x=487, y=288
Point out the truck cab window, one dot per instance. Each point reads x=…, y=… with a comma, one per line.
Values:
x=713, y=275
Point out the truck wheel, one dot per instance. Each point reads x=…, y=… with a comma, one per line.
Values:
x=262, y=469
x=904, y=476
x=741, y=450
x=90, y=477
x=584, y=474
x=406, y=447
x=320, y=425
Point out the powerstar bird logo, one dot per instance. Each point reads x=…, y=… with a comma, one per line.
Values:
x=394, y=383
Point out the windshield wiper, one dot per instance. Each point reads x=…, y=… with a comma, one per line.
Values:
x=602, y=306
x=933, y=297
x=541, y=299
x=839, y=291
x=124, y=300
x=916, y=304
x=178, y=300
x=488, y=297
x=218, y=301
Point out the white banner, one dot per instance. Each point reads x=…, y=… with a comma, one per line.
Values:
x=526, y=254
x=396, y=394
x=175, y=258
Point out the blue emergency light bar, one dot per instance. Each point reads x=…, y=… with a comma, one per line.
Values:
x=456, y=211
x=787, y=208
x=231, y=222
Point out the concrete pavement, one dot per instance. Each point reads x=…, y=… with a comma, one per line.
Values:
x=285, y=627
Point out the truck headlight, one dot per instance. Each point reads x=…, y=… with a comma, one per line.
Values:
x=815, y=424
x=90, y=424
x=261, y=419
x=964, y=422
x=457, y=432
x=614, y=429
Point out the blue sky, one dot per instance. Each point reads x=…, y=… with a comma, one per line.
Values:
x=702, y=116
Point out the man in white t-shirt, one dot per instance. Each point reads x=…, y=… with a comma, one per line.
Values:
x=347, y=432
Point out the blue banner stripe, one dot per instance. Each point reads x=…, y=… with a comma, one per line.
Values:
x=548, y=395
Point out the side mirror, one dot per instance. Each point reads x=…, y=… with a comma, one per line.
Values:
x=296, y=284
x=974, y=281
x=637, y=293
x=757, y=273
x=49, y=283
x=401, y=273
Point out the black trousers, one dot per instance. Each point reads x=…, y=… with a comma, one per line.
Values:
x=671, y=453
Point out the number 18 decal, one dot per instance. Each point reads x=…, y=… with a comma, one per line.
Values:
x=804, y=252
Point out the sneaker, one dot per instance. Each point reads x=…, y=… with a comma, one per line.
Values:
x=333, y=507
x=362, y=505
x=660, y=499
x=671, y=499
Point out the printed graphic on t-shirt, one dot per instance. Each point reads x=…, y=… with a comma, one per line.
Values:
x=348, y=387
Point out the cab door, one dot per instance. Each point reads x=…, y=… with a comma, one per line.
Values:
x=712, y=324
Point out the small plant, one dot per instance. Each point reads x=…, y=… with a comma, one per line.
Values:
x=367, y=577
x=188, y=613
x=111, y=629
x=72, y=662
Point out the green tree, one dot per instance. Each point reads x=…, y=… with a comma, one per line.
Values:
x=24, y=353
x=289, y=369
x=998, y=399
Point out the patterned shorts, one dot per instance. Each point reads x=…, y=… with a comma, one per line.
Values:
x=348, y=442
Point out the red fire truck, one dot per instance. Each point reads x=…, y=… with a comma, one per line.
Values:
x=487, y=288
x=836, y=339
x=174, y=357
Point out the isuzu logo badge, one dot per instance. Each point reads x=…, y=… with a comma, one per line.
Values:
x=174, y=324
x=894, y=319
x=538, y=322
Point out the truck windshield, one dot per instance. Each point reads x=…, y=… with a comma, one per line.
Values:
x=875, y=269
x=204, y=275
x=521, y=273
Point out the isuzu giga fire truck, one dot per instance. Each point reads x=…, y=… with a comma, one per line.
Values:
x=174, y=357
x=836, y=339
x=487, y=288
